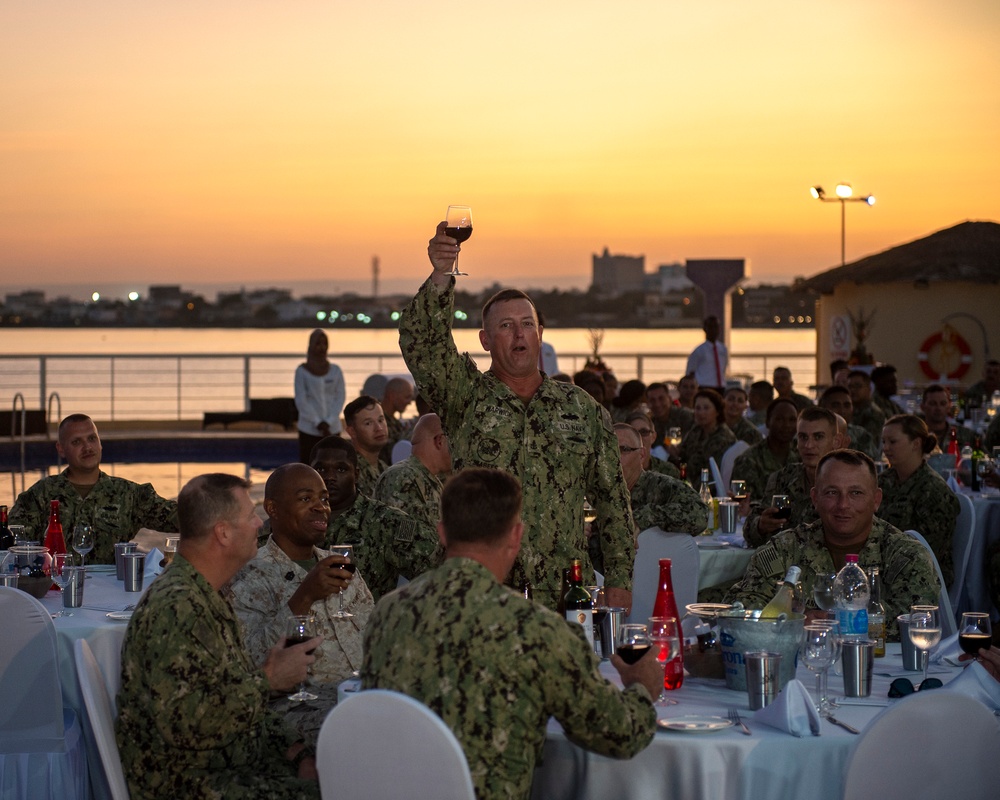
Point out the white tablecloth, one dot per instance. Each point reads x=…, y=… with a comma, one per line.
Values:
x=720, y=565
x=724, y=765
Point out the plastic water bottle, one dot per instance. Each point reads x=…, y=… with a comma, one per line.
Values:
x=850, y=600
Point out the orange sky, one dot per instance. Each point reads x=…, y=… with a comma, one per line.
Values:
x=267, y=142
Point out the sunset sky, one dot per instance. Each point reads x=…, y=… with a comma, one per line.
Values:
x=266, y=142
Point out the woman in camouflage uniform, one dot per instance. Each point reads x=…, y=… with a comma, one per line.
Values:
x=710, y=436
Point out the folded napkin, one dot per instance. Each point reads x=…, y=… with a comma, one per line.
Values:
x=977, y=683
x=792, y=711
x=947, y=651
x=153, y=559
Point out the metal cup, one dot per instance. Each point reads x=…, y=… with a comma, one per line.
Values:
x=8, y=579
x=121, y=548
x=610, y=621
x=762, y=677
x=858, y=657
x=72, y=594
x=729, y=515
x=911, y=655
x=135, y=565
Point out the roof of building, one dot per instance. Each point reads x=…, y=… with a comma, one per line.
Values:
x=969, y=251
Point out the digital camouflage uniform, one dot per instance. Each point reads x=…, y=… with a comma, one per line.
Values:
x=887, y=405
x=697, y=447
x=387, y=543
x=862, y=440
x=260, y=594
x=410, y=487
x=368, y=475
x=661, y=467
x=992, y=437
x=116, y=509
x=871, y=418
x=678, y=417
x=560, y=445
x=193, y=720
x=907, y=574
x=790, y=480
x=495, y=667
x=800, y=401
x=756, y=464
x=963, y=437
x=668, y=503
x=746, y=431
x=922, y=503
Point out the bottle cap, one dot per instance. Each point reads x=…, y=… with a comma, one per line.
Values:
x=793, y=575
x=851, y=559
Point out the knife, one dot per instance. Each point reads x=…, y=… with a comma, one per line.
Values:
x=843, y=725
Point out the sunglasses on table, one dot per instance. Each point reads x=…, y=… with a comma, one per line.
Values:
x=904, y=686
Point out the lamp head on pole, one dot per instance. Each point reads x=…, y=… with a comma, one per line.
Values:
x=844, y=190
x=817, y=192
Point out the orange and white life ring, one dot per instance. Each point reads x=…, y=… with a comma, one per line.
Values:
x=945, y=353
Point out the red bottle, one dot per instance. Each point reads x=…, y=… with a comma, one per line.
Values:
x=54, y=539
x=666, y=606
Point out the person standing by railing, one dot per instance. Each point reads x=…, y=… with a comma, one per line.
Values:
x=319, y=395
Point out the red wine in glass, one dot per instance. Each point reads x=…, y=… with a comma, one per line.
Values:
x=631, y=653
x=458, y=225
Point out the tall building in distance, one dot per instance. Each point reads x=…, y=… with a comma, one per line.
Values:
x=615, y=275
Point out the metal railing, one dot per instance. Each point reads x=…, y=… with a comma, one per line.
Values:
x=174, y=386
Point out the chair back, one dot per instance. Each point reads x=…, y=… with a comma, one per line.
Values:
x=720, y=487
x=681, y=549
x=953, y=738
x=729, y=458
x=961, y=549
x=102, y=717
x=948, y=623
x=31, y=712
x=382, y=745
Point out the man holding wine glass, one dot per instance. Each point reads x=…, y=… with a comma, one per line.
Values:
x=552, y=436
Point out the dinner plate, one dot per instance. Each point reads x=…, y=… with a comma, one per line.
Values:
x=120, y=615
x=714, y=545
x=695, y=724
x=707, y=611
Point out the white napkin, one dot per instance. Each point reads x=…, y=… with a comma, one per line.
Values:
x=947, y=651
x=153, y=559
x=792, y=711
x=977, y=683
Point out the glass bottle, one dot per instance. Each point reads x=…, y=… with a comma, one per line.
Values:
x=706, y=497
x=578, y=603
x=850, y=599
x=55, y=542
x=876, y=614
x=6, y=537
x=781, y=603
x=665, y=605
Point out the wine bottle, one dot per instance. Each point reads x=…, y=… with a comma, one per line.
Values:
x=665, y=605
x=706, y=497
x=6, y=537
x=876, y=614
x=578, y=603
x=781, y=603
x=54, y=539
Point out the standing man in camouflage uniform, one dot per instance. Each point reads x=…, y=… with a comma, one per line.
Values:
x=367, y=428
x=816, y=433
x=193, y=719
x=762, y=460
x=387, y=543
x=552, y=436
x=292, y=575
x=414, y=484
x=493, y=665
x=866, y=414
x=116, y=508
x=846, y=497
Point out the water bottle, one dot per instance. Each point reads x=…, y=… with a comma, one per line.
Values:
x=850, y=600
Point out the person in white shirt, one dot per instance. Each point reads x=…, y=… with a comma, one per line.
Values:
x=319, y=395
x=709, y=360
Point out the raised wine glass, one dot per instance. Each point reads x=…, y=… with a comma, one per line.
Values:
x=633, y=642
x=459, y=227
x=823, y=590
x=345, y=551
x=665, y=635
x=819, y=651
x=59, y=563
x=300, y=629
x=975, y=632
x=83, y=542
x=925, y=631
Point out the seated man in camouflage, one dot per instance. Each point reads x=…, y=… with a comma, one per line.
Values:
x=116, y=508
x=193, y=719
x=292, y=576
x=643, y=425
x=414, y=484
x=838, y=400
x=493, y=665
x=816, y=435
x=756, y=464
x=846, y=496
x=736, y=403
x=366, y=425
x=387, y=543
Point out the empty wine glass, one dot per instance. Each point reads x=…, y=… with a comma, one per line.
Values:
x=59, y=563
x=823, y=590
x=458, y=227
x=301, y=629
x=975, y=632
x=925, y=630
x=83, y=542
x=664, y=634
x=819, y=651
x=345, y=551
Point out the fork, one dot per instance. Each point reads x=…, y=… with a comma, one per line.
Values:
x=734, y=716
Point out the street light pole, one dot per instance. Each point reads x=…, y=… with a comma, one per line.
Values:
x=844, y=196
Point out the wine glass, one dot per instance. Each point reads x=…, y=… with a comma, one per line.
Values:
x=738, y=490
x=783, y=503
x=345, y=551
x=459, y=227
x=169, y=550
x=589, y=512
x=925, y=630
x=823, y=590
x=975, y=632
x=819, y=650
x=664, y=634
x=633, y=642
x=300, y=629
x=674, y=435
x=59, y=563
x=83, y=542
x=984, y=467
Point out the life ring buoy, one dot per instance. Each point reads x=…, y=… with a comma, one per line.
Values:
x=937, y=355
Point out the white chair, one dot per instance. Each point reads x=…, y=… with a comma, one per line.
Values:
x=101, y=711
x=961, y=550
x=42, y=750
x=729, y=458
x=381, y=745
x=948, y=623
x=682, y=550
x=401, y=450
x=720, y=487
x=929, y=745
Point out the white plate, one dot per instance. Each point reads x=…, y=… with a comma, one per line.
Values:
x=707, y=611
x=120, y=615
x=714, y=545
x=695, y=724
